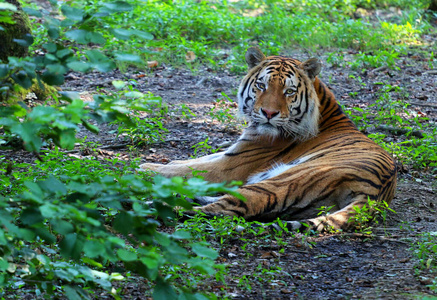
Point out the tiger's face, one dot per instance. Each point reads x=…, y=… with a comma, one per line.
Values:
x=277, y=96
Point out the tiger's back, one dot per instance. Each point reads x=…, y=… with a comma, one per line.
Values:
x=299, y=152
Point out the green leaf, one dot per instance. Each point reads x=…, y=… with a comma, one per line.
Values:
x=53, y=185
x=49, y=210
x=118, y=84
x=181, y=235
x=31, y=216
x=32, y=12
x=163, y=290
x=7, y=6
x=85, y=37
x=203, y=251
x=28, y=133
x=70, y=96
x=126, y=255
x=142, y=34
x=72, y=292
x=4, y=70
x=53, y=32
x=93, y=249
x=52, y=78
x=123, y=223
x=67, y=139
x=126, y=57
x=23, y=79
x=71, y=246
x=26, y=41
x=75, y=14
x=90, y=127
x=99, y=61
x=62, y=227
x=116, y=6
x=79, y=66
x=78, y=35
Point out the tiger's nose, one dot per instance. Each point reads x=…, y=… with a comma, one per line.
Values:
x=269, y=113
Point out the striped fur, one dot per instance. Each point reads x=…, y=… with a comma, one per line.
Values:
x=299, y=152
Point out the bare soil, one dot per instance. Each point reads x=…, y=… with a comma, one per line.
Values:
x=326, y=266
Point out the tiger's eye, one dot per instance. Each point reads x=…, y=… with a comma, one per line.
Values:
x=290, y=92
x=261, y=86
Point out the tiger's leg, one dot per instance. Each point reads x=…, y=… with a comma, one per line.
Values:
x=264, y=204
x=342, y=219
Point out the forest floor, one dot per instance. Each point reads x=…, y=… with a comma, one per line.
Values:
x=325, y=266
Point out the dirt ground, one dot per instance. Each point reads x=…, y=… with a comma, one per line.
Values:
x=327, y=266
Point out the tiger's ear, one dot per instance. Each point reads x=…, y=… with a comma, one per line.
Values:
x=254, y=56
x=312, y=67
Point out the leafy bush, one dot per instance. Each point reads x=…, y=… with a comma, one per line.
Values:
x=55, y=236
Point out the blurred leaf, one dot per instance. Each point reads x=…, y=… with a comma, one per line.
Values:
x=163, y=290
x=79, y=66
x=203, y=251
x=126, y=255
x=32, y=12
x=93, y=249
x=126, y=57
x=75, y=14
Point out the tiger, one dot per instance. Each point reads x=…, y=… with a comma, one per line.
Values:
x=299, y=153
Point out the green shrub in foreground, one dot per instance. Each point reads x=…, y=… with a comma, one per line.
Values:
x=76, y=237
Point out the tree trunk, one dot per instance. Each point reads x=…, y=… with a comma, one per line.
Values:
x=14, y=31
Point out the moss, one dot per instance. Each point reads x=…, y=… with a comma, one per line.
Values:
x=14, y=31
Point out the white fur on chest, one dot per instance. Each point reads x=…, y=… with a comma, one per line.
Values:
x=277, y=170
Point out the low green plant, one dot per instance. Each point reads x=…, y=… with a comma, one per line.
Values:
x=425, y=249
x=372, y=212
x=203, y=148
x=186, y=112
x=55, y=237
x=325, y=211
x=382, y=58
x=222, y=110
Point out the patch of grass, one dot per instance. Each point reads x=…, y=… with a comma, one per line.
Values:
x=425, y=249
x=373, y=211
x=417, y=142
x=217, y=33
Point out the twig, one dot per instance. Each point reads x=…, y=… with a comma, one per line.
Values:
x=118, y=146
x=424, y=104
x=372, y=236
x=430, y=72
x=380, y=69
x=399, y=131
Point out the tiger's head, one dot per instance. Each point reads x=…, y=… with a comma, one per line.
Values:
x=278, y=98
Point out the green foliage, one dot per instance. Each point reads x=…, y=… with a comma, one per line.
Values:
x=167, y=31
x=203, y=148
x=141, y=131
x=55, y=236
x=223, y=109
x=373, y=211
x=425, y=249
x=418, y=144
x=61, y=40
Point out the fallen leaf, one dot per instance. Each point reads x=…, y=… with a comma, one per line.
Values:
x=152, y=64
x=190, y=56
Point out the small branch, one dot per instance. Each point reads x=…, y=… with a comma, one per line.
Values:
x=423, y=104
x=400, y=131
x=118, y=146
x=430, y=72
x=372, y=236
x=380, y=69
